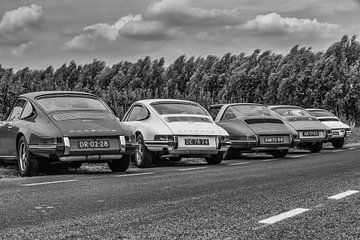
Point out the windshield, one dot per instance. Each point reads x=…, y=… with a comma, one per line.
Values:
x=178, y=108
x=292, y=112
x=70, y=103
x=237, y=111
x=321, y=113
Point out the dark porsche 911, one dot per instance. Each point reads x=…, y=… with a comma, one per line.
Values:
x=253, y=128
x=59, y=126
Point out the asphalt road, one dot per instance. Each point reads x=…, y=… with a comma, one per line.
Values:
x=250, y=198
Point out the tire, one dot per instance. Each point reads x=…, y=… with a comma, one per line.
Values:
x=175, y=159
x=279, y=153
x=338, y=143
x=119, y=165
x=143, y=157
x=215, y=159
x=28, y=165
x=315, y=147
x=75, y=165
x=232, y=153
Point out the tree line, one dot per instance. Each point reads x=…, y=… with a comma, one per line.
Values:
x=328, y=79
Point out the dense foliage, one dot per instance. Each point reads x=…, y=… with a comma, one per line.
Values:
x=329, y=79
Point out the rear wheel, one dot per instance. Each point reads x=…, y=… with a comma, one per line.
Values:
x=338, y=143
x=143, y=157
x=75, y=165
x=175, y=159
x=315, y=147
x=27, y=163
x=215, y=159
x=119, y=165
x=279, y=153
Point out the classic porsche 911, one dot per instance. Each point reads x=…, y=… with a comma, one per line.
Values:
x=253, y=128
x=63, y=126
x=172, y=129
x=339, y=129
x=312, y=133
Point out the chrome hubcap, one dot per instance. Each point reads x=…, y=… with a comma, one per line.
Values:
x=139, y=152
x=22, y=156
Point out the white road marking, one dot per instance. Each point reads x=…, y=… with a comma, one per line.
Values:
x=337, y=151
x=240, y=163
x=268, y=160
x=190, y=169
x=47, y=183
x=297, y=156
x=135, y=174
x=49, y=207
x=344, y=194
x=284, y=215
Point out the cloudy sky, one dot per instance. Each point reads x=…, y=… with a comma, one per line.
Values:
x=39, y=33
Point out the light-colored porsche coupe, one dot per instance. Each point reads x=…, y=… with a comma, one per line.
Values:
x=172, y=129
x=312, y=133
x=339, y=129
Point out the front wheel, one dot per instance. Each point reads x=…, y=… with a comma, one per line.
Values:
x=215, y=159
x=338, y=143
x=27, y=163
x=279, y=153
x=315, y=147
x=119, y=165
x=143, y=157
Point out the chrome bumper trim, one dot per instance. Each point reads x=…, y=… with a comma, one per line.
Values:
x=91, y=158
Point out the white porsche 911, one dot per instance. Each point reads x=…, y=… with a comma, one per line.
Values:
x=339, y=129
x=172, y=129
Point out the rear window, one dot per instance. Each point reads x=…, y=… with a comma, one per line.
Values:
x=178, y=108
x=292, y=112
x=322, y=113
x=237, y=111
x=51, y=104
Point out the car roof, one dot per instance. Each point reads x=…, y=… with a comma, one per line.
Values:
x=34, y=95
x=316, y=109
x=284, y=106
x=233, y=104
x=160, y=100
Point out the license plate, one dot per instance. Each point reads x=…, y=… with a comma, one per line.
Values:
x=86, y=144
x=273, y=139
x=336, y=133
x=196, y=141
x=310, y=133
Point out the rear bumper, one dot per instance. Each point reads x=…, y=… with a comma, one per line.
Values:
x=171, y=148
x=91, y=158
x=66, y=154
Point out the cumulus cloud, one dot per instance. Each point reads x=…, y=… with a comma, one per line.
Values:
x=129, y=26
x=105, y=31
x=15, y=24
x=21, y=50
x=274, y=23
x=181, y=12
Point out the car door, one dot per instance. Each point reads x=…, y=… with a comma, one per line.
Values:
x=8, y=130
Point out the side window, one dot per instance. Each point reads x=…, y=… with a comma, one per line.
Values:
x=228, y=114
x=143, y=114
x=17, y=110
x=134, y=114
x=28, y=111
